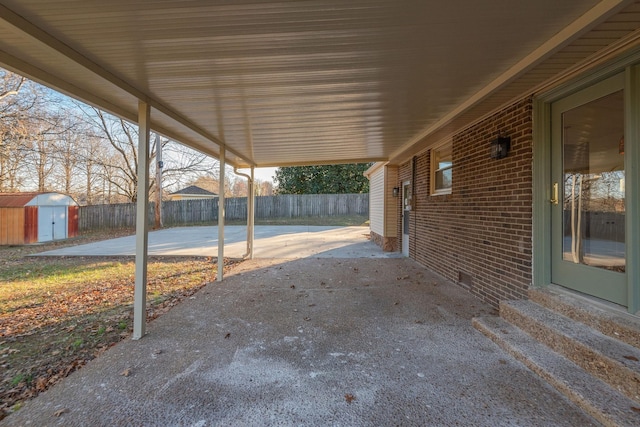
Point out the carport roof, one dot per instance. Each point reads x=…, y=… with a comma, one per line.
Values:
x=307, y=82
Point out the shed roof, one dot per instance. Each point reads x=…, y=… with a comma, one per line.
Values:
x=16, y=200
x=34, y=198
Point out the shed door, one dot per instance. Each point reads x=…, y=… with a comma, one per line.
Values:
x=52, y=223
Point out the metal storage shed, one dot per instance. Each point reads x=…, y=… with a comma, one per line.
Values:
x=36, y=217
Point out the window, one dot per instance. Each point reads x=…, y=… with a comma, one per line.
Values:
x=441, y=168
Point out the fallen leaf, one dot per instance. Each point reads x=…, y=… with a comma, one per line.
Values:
x=307, y=318
x=349, y=398
x=635, y=359
x=41, y=384
x=227, y=336
x=633, y=408
x=293, y=286
x=60, y=412
x=126, y=372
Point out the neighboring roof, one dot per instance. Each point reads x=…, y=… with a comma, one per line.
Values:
x=19, y=200
x=326, y=81
x=194, y=190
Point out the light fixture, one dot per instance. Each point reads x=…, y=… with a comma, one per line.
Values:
x=621, y=146
x=396, y=191
x=500, y=147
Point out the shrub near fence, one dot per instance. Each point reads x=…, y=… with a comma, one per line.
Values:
x=181, y=212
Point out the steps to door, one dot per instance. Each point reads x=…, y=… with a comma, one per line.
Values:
x=598, y=315
x=598, y=372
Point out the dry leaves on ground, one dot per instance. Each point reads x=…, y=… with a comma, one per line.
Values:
x=56, y=314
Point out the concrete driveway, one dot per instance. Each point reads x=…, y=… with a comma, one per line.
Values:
x=309, y=342
x=280, y=241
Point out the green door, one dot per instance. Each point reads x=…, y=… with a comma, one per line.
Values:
x=588, y=201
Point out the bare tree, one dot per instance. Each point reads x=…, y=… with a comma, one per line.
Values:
x=51, y=143
x=43, y=130
x=182, y=164
x=264, y=188
x=68, y=154
x=91, y=150
x=17, y=100
x=239, y=188
x=120, y=168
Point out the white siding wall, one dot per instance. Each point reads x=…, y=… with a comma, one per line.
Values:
x=391, y=203
x=376, y=201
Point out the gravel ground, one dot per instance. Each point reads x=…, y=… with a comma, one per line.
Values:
x=343, y=342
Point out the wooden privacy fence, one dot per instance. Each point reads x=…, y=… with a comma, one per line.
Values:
x=206, y=211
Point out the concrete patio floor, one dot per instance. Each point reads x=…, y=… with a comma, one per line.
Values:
x=311, y=341
x=280, y=241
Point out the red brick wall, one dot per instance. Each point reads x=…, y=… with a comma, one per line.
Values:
x=480, y=234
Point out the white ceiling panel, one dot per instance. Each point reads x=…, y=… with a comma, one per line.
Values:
x=302, y=82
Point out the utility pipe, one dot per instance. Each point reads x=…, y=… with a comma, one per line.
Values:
x=250, y=211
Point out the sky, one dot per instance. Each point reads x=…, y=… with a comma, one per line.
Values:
x=263, y=174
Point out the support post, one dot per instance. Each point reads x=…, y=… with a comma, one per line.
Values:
x=142, y=228
x=221, y=216
x=251, y=213
x=159, y=165
x=631, y=184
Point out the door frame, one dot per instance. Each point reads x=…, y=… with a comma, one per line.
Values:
x=542, y=242
x=405, y=220
x=581, y=277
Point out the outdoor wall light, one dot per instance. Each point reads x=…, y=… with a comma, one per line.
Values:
x=621, y=146
x=396, y=191
x=500, y=147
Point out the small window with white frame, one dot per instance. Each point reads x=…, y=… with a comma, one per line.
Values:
x=441, y=168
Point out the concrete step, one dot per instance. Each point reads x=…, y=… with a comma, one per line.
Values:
x=594, y=396
x=605, y=317
x=615, y=362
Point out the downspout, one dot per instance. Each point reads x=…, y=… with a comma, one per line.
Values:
x=250, y=211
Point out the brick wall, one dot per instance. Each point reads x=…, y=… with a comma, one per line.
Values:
x=480, y=234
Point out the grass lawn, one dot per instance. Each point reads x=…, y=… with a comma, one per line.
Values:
x=57, y=313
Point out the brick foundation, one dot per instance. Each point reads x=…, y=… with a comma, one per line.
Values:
x=480, y=234
x=388, y=244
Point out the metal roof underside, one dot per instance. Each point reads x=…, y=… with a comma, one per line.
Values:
x=307, y=82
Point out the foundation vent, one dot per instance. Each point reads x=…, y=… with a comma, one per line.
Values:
x=465, y=280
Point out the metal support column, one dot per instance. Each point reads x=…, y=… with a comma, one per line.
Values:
x=142, y=230
x=251, y=214
x=221, y=216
